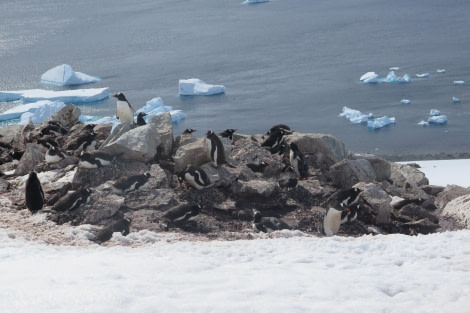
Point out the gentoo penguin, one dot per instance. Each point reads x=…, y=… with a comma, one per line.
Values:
x=351, y=214
x=287, y=178
x=140, y=119
x=47, y=141
x=54, y=128
x=189, y=131
x=95, y=159
x=257, y=167
x=181, y=211
x=274, y=139
x=122, y=226
x=216, y=149
x=398, y=202
x=124, y=110
x=16, y=155
x=54, y=155
x=34, y=194
x=195, y=176
x=228, y=133
x=332, y=220
x=277, y=127
x=72, y=200
x=346, y=196
x=82, y=142
x=267, y=224
x=129, y=183
x=297, y=160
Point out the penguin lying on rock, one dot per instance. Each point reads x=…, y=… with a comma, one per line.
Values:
x=122, y=226
x=228, y=133
x=129, y=183
x=267, y=224
x=196, y=177
x=181, y=212
x=54, y=155
x=95, y=159
x=72, y=200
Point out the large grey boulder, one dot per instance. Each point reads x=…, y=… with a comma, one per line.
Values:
x=194, y=153
x=403, y=175
x=382, y=167
x=102, y=209
x=450, y=193
x=378, y=200
x=459, y=210
x=347, y=173
x=67, y=116
x=164, y=127
x=31, y=157
x=254, y=188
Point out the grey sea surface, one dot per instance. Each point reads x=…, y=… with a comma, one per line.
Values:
x=296, y=62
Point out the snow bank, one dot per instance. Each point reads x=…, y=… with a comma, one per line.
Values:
x=196, y=87
x=67, y=96
x=65, y=75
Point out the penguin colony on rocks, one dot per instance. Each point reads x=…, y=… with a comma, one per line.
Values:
x=343, y=206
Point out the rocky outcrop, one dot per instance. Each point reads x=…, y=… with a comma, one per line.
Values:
x=459, y=210
x=403, y=175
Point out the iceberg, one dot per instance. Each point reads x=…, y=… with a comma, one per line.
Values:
x=355, y=116
x=380, y=122
x=441, y=70
x=439, y=119
x=369, y=77
x=434, y=112
x=68, y=96
x=254, y=1
x=40, y=106
x=423, y=123
x=196, y=87
x=41, y=113
x=372, y=77
x=459, y=82
x=422, y=75
x=455, y=100
x=64, y=75
x=394, y=68
x=405, y=101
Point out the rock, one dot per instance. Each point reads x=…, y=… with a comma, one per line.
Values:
x=159, y=178
x=403, y=175
x=164, y=128
x=254, y=188
x=432, y=189
x=4, y=184
x=378, y=200
x=102, y=209
x=381, y=166
x=423, y=226
x=10, y=132
x=459, y=210
x=67, y=116
x=152, y=199
x=449, y=193
x=414, y=212
x=31, y=157
x=138, y=144
x=194, y=153
x=347, y=173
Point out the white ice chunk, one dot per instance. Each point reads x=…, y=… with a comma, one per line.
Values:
x=422, y=75
x=355, y=116
x=405, y=101
x=439, y=119
x=41, y=113
x=459, y=82
x=196, y=87
x=455, y=100
x=65, y=75
x=16, y=112
x=381, y=122
x=369, y=77
x=67, y=96
x=434, y=112
x=440, y=70
x=254, y=1
x=395, y=68
x=393, y=78
x=423, y=123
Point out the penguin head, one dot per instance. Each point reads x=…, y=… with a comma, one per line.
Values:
x=147, y=175
x=293, y=146
x=120, y=96
x=33, y=174
x=196, y=209
x=209, y=133
x=142, y=114
x=257, y=216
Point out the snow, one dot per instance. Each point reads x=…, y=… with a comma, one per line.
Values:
x=65, y=75
x=196, y=87
x=445, y=172
x=67, y=96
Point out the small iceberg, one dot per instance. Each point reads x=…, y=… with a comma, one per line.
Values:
x=423, y=123
x=29, y=111
x=459, y=82
x=372, y=77
x=64, y=75
x=394, y=68
x=440, y=71
x=434, y=112
x=435, y=117
x=196, y=87
x=254, y=1
x=424, y=75
x=355, y=116
x=76, y=96
x=369, y=77
x=455, y=100
x=405, y=101
x=381, y=122
x=41, y=113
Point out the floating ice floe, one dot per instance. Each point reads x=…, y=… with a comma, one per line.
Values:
x=369, y=77
x=459, y=82
x=36, y=111
x=372, y=77
x=394, y=68
x=435, y=117
x=64, y=75
x=355, y=116
x=380, y=122
x=254, y=1
x=422, y=75
x=455, y=100
x=441, y=70
x=434, y=112
x=196, y=87
x=67, y=96
x=405, y=101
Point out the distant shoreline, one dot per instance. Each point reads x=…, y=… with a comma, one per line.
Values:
x=425, y=156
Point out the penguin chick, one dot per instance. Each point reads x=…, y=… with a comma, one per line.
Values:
x=122, y=226
x=34, y=194
x=267, y=224
x=54, y=155
x=140, y=119
x=351, y=215
x=184, y=211
x=196, y=177
x=129, y=183
x=124, y=110
x=95, y=159
x=332, y=221
x=228, y=133
x=72, y=200
x=216, y=149
x=257, y=167
x=297, y=161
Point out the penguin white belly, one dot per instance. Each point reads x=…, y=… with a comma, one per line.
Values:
x=104, y=162
x=332, y=222
x=191, y=180
x=124, y=112
x=86, y=164
x=52, y=158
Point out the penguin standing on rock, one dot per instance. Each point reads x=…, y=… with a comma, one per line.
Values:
x=297, y=161
x=140, y=119
x=129, y=183
x=95, y=159
x=332, y=221
x=124, y=110
x=34, y=194
x=267, y=224
x=274, y=141
x=72, y=200
x=54, y=155
x=216, y=149
x=228, y=133
x=196, y=177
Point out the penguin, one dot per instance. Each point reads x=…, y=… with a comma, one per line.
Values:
x=279, y=149
x=257, y=167
x=278, y=127
x=34, y=194
x=181, y=212
x=140, y=119
x=47, y=141
x=216, y=149
x=72, y=200
x=124, y=110
x=54, y=128
x=129, y=183
x=228, y=133
x=95, y=159
x=4, y=146
x=189, y=131
x=267, y=224
x=54, y=155
x=16, y=155
x=332, y=220
x=122, y=226
x=196, y=177
x=82, y=142
x=398, y=202
x=351, y=215
x=346, y=196
x=274, y=139
x=287, y=179
x=297, y=161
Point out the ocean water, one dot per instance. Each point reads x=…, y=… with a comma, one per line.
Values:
x=296, y=62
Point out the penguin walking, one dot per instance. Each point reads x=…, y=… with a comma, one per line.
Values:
x=129, y=183
x=348, y=216
x=140, y=119
x=257, y=167
x=34, y=194
x=72, y=200
x=297, y=161
x=216, y=149
x=274, y=140
x=54, y=155
x=181, y=212
x=124, y=110
x=196, y=177
x=82, y=142
x=228, y=133
x=332, y=220
x=95, y=159
x=267, y=224
x=122, y=226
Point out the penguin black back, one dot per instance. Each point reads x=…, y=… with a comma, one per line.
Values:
x=274, y=139
x=122, y=226
x=228, y=133
x=140, y=119
x=195, y=176
x=216, y=149
x=34, y=194
x=278, y=127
